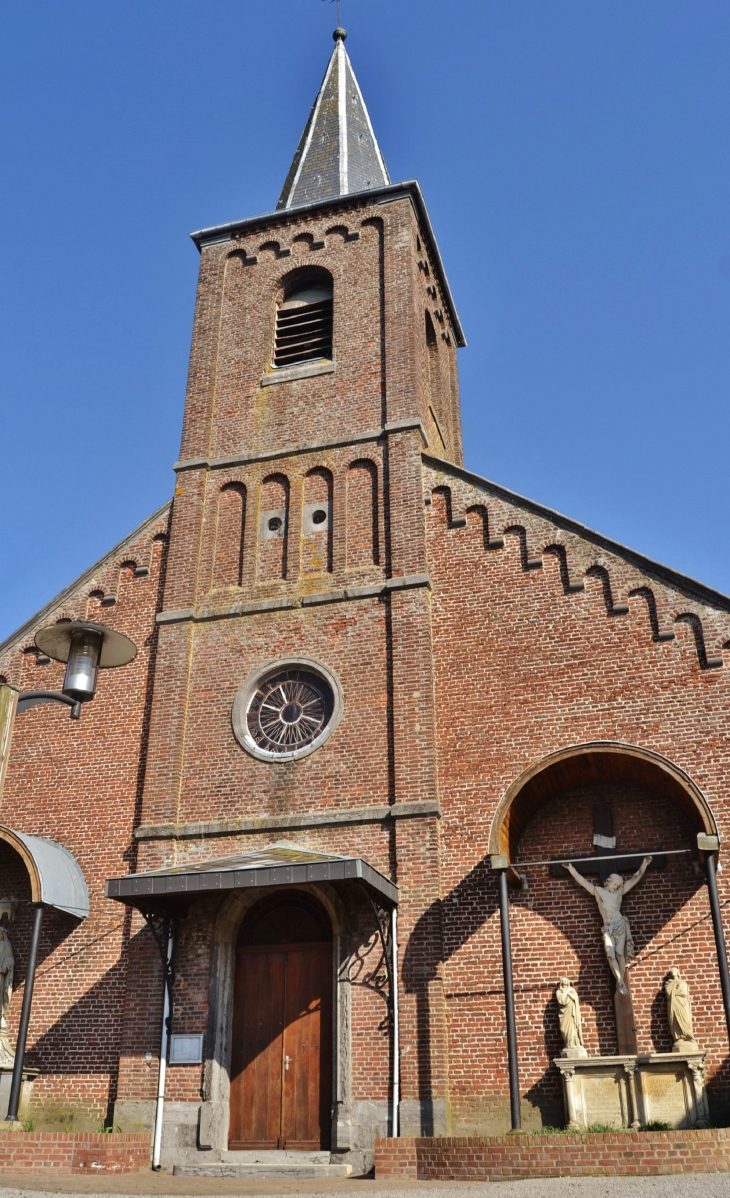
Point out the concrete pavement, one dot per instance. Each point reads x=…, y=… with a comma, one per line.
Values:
x=148, y=1185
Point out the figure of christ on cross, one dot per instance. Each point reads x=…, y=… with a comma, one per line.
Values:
x=617, y=939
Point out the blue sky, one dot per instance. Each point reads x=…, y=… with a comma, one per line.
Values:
x=575, y=159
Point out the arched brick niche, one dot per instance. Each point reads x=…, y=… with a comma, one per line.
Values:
x=597, y=763
x=549, y=814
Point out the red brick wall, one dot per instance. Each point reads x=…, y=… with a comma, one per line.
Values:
x=508, y=1158
x=453, y=685
x=524, y=669
x=56, y=1152
x=219, y=780
x=372, y=252
x=79, y=783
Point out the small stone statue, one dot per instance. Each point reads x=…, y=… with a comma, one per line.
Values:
x=571, y=1028
x=617, y=939
x=7, y=968
x=679, y=1013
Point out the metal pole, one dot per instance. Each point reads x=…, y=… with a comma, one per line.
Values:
x=15, y=1085
x=396, y=1023
x=164, y=1042
x=719, y=935
x=509, y=1003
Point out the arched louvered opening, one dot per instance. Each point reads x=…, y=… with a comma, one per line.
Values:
x=304, y=319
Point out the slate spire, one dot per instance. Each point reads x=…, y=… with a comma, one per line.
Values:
x=337, y=153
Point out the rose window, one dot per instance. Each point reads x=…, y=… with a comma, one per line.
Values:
x=289, y=710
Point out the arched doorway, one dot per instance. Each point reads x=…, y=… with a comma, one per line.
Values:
x=281, y=1058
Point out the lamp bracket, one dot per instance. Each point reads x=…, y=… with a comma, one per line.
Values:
x=28, y=699
x=382, y=914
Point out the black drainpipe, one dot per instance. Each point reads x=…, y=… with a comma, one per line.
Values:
x=509, y=1002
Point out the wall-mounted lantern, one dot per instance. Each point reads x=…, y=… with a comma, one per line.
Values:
x=86, y=648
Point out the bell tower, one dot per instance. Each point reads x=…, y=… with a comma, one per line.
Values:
x=331, y=315
x=323, y=366
x=325, y=323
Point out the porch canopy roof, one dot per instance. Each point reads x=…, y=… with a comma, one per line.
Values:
x=55, y=875
x=281, y=864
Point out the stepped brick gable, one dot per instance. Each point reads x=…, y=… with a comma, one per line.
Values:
x=366, y=679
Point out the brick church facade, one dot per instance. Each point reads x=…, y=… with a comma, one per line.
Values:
x=365, y=677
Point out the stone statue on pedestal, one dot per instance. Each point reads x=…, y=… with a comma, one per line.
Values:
x=679, y=1013
x=7, y=968
x=617, y=939
x=571, y=1028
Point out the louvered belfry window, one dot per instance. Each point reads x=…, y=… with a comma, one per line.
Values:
x=304, y=325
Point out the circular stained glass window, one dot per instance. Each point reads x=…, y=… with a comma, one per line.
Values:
x=286, y=711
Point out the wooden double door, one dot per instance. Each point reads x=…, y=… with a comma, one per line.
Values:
x=281, y=1075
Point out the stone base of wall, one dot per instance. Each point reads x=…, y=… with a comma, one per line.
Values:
x=73, y=1152
x=510, y=1157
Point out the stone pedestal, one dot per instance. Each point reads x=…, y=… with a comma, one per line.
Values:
x=7, y=1056
x=629, y=1091
x=6, y=1077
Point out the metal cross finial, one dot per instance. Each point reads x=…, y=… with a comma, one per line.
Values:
x=337, y=2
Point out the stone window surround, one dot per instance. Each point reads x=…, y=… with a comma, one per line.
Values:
x=300, y=370
x=245, y=693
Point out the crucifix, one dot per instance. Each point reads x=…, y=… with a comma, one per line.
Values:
x=617, y=938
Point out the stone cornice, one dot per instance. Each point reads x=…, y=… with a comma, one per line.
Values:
x=306, y=819
x=250, y=607
x=289, y=451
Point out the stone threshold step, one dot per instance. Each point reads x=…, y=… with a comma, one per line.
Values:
x=272, y=1156
x=280, y=1169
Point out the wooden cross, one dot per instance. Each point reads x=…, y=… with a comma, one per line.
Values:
x=604, y=845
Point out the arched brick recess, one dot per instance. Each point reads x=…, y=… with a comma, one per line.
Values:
x=596, y=762
x=229, y=534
